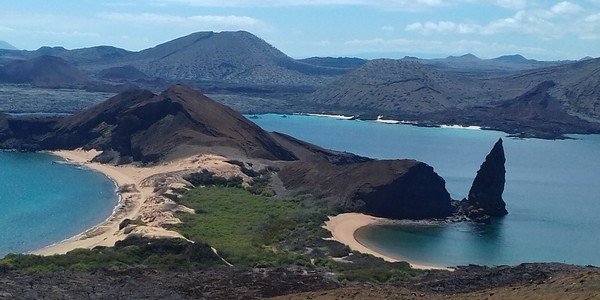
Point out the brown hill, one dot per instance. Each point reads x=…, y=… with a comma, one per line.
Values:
x=545, y=102
x=230, y=58
x=399, y=189
x=141, y=126
x=44, y=71
x=395, y=86
x=576, y=86
x=123, y=73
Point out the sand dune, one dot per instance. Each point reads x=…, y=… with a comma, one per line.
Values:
x=139, y=198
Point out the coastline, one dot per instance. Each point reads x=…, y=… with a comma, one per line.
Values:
x=343, y=228
x=138, y=199
x=518, y=132
x=395, y=122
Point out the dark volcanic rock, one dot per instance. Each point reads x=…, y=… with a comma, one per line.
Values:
x=44, y=71
x=418, y=194
x=123, y=73
x=145, y=283
x=399, y=189
x=141, y=126
x=543, y=102
x=488, y=186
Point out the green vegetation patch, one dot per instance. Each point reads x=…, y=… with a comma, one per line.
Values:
x=206, y=178
x=363, y=267
x=132, y=252
x=246, y=229
x=243, y=227
x=260, y=231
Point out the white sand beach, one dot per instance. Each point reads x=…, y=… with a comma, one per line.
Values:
x=139, y=198
x=344, y=226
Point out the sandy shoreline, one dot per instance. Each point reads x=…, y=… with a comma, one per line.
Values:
x=344, y=226
x=140, y=198
x=140, y=190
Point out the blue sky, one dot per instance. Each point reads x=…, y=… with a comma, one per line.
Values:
x=538, y=29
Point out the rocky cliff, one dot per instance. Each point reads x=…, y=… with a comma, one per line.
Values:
x=398, y=189
x=485, y=196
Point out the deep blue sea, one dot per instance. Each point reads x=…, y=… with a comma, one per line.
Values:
x=552, y=191
x=43, y=202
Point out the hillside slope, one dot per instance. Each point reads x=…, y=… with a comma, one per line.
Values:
x=44, y=71
x=141, y=126
x=226, y=58
x=544, y=102
x=396, y=86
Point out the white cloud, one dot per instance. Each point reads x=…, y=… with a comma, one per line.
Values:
x=387, y=28
x=390, y=4
x=407, y=5
x=589, y=28
x=566, y=8
x=551, y=23
x=512, y=4
x=524, y=22
x=443, y=27
x=393, y=4
x=386, y=42
x=322, y=43
x=209, y=21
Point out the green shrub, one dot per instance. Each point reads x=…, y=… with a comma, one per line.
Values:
x=207, y=178
x=132, y=252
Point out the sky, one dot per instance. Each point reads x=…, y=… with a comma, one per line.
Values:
x=539, y=29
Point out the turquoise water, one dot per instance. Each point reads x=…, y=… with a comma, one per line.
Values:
x=43, y=202
x=552, y=191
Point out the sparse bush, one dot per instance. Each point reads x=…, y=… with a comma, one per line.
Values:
x=207, y=178
x=131, y=252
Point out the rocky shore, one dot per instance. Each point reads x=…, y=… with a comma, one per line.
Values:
x=533, y=281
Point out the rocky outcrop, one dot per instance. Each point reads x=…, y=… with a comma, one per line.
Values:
x=44, y=71
x=485, y=197
x=398, y=189
x=141, y=126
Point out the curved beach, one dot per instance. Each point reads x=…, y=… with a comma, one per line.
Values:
x=343, y=228
x=138, y=199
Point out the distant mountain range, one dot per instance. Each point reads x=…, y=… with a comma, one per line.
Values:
x=472, y=65
x=224, y=59
x=249, y=74
x=545, y=102
x=7, y=46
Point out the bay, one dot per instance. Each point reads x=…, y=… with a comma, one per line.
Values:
x=552, y=190
x=44, y=200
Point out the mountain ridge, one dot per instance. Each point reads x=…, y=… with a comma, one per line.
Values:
x=252, y=76
x=7, y=46
x=410, y=90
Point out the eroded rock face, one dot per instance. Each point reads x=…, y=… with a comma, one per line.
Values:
x=488, y=186
x=397, y=189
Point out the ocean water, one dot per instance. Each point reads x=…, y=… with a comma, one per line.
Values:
x=552, y=191
x=43, y=202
